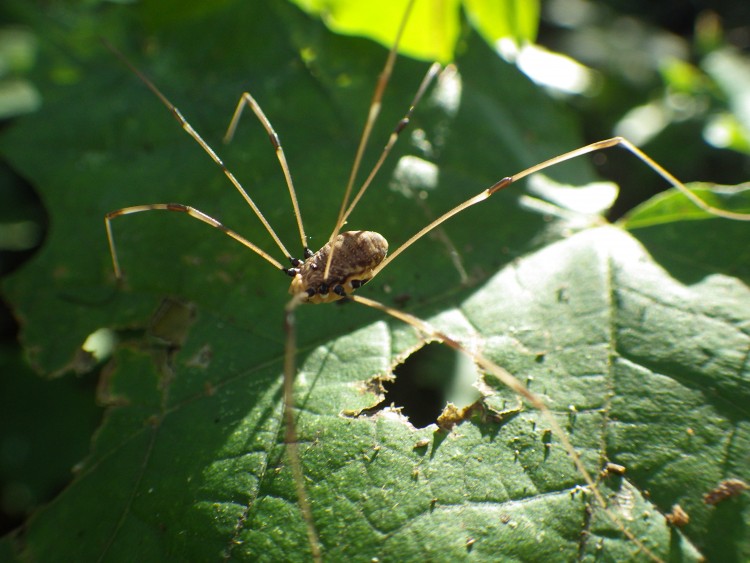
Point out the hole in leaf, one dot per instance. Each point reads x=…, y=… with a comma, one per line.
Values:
x=430, y=378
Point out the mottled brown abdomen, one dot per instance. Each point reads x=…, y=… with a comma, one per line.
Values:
x=355, y=255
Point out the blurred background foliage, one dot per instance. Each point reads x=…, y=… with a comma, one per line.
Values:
x=672, y=76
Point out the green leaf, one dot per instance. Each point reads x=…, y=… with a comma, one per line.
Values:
x=45, y=429
x=433, y=30
x=682, y=237
x=189, y=462
x=431, y=34
x=499, y=20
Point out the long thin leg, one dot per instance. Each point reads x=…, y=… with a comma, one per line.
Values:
x=373, y=113
x=290, y=432
x=655, y=166
x=247, y=100
x=599, y=145
x=517, y=387
x=192, y=212
x=400, y=126
x=198, y=139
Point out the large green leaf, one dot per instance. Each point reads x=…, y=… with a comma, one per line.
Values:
x=189, y=462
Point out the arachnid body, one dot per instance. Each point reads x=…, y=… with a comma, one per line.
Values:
x=356, y=255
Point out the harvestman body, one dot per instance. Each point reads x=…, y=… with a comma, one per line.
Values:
x=356, y=255
x=350, y=259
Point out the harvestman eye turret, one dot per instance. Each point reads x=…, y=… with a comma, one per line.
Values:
x=350, y=259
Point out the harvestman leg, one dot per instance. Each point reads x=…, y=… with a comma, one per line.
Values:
x=593, y=147
x=290, y=425
x=192, y=212
x=372, y=116
x=392, y=138
x=208, y=150
x=247, y=100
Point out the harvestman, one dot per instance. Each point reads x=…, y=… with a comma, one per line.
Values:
x=350, y=259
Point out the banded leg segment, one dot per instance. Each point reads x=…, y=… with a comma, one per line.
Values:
x=192, y=212
x=290, y=425
x=432, y=72
x=593, y=147
x=247, y=100
x=372, y=117
x=206, y=148
x=643, y=157
x=400, y=126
